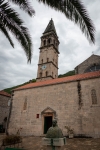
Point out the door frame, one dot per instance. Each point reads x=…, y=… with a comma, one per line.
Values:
x=46, y=122
x=46, y=113
x=43, y=119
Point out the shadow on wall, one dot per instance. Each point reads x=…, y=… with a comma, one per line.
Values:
x=3, y=125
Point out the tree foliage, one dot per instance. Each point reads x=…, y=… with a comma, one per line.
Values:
x=10, y=20
x=75, y=11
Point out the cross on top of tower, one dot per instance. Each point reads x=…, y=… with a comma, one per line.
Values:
x=50, y=27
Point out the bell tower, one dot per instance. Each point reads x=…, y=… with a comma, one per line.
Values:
x=48, y=58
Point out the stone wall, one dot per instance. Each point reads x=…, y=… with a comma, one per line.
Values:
x=92, y=60
x=64, y=99
x=4, y=109
x=51, y=65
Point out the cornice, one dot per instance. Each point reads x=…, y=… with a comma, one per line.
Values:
x=46, y=46
x=47, y=63
x=45, y=77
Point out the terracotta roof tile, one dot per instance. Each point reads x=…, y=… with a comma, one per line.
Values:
x=61, y=80
x=5, y=93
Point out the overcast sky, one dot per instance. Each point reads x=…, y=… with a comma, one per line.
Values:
x=74, y=46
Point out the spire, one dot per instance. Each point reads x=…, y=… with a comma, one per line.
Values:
x=50, y=27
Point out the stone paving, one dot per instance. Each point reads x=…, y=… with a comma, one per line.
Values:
x=35, y=143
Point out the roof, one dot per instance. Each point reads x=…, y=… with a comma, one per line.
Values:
x=84, y=76
x=87, y=59
x=50, y=27
x=5, y=93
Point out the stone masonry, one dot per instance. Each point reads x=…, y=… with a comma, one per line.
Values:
x=50, y=66
x=64, y=100
x=73, y=100
x=48, y=58
x=4, y=108
x=93, y=60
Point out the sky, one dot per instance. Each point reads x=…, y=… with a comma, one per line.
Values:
x=74, y=47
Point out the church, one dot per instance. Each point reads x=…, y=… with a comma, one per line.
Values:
x=73, y=100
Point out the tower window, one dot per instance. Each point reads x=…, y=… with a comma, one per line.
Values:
x=42, y=61
x=55, y=76
x=94, y=97
x=47, y=59
x=37, y=115
x=49, y=41
x=40, y=74
x=54, y=42
x=44, y=42
x=46, y=73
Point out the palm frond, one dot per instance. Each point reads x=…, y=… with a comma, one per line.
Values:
x=75, y=11
x=4, y=30
x=25, y=5
x=11, y=20
x=27, y=36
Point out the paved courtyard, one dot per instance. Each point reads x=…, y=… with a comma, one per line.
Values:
x=35, y=143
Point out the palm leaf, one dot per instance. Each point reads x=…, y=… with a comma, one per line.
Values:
x=10, y=19
x=76, y=12
x=25, y=5
x=3, y=29
x=29, y=42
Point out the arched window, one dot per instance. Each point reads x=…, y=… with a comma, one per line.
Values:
x=49, y=41
x=40, y=74
x=94, y=67
x=44, y=42
x=55, y=76
x=94, y=97
x=46, y=73
x=47, y=59
x=42, y=61
x=25, y=104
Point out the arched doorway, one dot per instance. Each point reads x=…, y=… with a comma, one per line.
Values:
x=48, y=115
x=47, y=123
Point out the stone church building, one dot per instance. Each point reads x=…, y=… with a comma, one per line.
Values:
x=73, y=100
